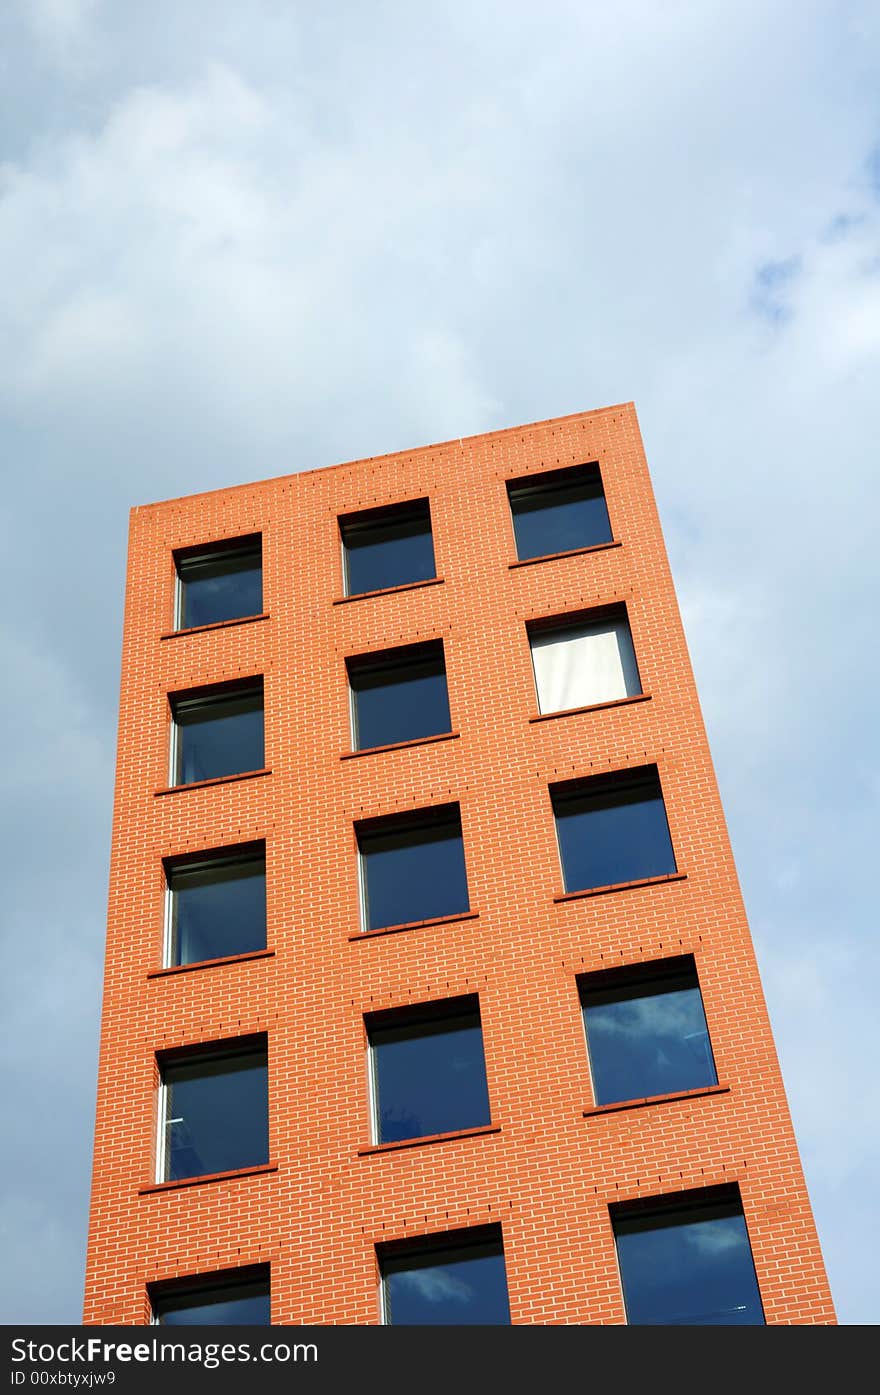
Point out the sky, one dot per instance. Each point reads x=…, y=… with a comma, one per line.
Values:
x=243, y=240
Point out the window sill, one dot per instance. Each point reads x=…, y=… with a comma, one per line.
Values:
x=657, y=1099
x=621, y=886
x=216, y=625
x=206, y=1177
x=390, y=590
x=401, y=745
x=212, y=963
x=593, y=707
x=414, y=925
x=552, y=556
x=427, y=1139
x=218, y=780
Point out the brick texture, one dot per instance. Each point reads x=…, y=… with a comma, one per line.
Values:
x=549, y=1174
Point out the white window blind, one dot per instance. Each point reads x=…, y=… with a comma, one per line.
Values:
x=584, y=664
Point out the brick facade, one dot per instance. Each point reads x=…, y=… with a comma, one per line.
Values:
x=553, y=1165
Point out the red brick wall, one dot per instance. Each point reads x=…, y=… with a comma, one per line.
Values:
x=550, y=1174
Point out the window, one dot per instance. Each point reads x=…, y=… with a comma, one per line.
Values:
x=427, y=1070
x=581, y=662
x=236, y=1298
x=457, y=1279
x=646, y=1031
x=686, y=1261
x=387, y=547
x=214, y=1110
x=412, y=867
x=399, y=695
x=224, y=582
x=559, y=511
x=612, y=829
x=217, y=731
x=216, y=905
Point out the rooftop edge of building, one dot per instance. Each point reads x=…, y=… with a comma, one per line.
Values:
x=628, y=406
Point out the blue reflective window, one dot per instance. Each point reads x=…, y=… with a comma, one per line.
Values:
x=612, y=829
x=216, y=1113
x=399, y=696
x=413, y=868
x=217, y=906
x=218, y=734
x=223, y=583
x=559, y=512
x=689, y=1265
x=456, y=1285
x=429, y=1071
x=387, y=547
x=240, y=1300
x=646, y=1032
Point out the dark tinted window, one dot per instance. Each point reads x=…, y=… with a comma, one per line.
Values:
x=461, y=1285
x=612, y=829
x=217, y=907
x=559, y=511
x=413, y=869
x=429, y=1072
x=220, y=734
x=231, y=1303
x=688, y=1266
x=220, y=584
x=646, y=1032
x=399, y=696
x=387, y=548
x=216, y=1113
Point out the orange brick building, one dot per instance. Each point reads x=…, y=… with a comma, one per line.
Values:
x=553, y=1176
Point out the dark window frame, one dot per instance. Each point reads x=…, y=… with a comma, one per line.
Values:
x=196, y=1054
x=393, y=1254
x=208, y=555
x=408, y=821
x=406, y=1021
x=601, y=790
x=548, y=482
x=384, y=516
x=635, y=980
x=386, y=661
x=658, y=1212
x=582, y=616
x=164, y=1292
x=198, y=863
x=192, y=700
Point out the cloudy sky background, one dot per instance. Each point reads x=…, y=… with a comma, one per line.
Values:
x=243, y=240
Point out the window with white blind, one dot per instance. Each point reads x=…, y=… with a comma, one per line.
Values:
x=583, y=662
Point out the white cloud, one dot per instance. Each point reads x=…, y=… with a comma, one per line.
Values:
x=64, y=33
x=195, y=249
x=436, y=1285
x=714, y=1237
x=59, y=21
